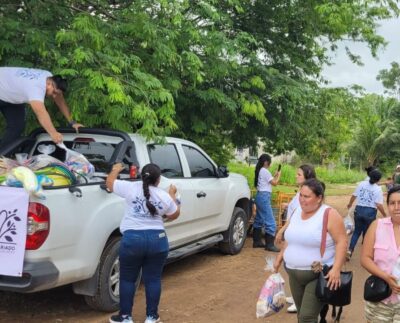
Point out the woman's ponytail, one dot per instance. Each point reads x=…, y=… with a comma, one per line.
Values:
x=150, y=175
x=260, y=164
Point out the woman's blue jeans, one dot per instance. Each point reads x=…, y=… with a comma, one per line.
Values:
x=264, y=215
x=363, y=217
x=146, y=250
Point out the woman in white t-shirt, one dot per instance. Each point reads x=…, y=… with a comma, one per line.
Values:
x=304, y=172
x=264, y=219
x=369, y=197
x=302, y=249
x=144, y=243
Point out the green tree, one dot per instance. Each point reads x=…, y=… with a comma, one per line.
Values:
x=376, y=131
x=108, y=50
x=391, y=79
x=329, y=120
x=242, y=70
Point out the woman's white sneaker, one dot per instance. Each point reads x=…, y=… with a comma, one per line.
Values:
x=150, y=319
x=120, y=319
x=292, y=308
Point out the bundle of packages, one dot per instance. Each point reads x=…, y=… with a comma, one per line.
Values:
x=53, y=171
x=22, y=176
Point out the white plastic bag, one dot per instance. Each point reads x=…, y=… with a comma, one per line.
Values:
x=77, y=162
x=269, y=263
x=272, y=296
x=349, y=223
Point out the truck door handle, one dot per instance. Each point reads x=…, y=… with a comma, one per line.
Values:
x=76, y=191
x=201, y=194
x=104, y=187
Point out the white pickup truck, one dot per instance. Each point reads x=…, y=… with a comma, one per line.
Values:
x=73, y=235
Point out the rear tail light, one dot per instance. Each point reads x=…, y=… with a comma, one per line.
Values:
x=38, y=225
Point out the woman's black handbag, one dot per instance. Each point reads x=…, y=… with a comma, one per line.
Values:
x=338, y=297
x=342, y=295
x=376, y=289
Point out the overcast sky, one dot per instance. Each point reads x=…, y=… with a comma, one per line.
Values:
x=344, y=73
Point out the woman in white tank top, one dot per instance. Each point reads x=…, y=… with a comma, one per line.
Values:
x=302, y=248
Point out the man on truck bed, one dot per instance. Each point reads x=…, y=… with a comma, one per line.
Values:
x=18, y=86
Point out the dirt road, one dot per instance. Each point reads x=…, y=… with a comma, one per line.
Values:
x=207, y=287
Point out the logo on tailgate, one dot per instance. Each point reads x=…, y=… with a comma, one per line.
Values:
x=8, y=229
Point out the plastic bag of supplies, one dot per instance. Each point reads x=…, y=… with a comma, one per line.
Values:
x=348, y=223
x=272, y=296
x=77, y=162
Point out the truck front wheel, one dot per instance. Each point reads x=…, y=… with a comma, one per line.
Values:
x=106, y=298
x=235, y=236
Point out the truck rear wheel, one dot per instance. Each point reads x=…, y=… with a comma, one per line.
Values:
x=235, y=236
x=106, y=298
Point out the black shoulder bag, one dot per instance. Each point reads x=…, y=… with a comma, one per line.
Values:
x=376, y=289
x=342, y=295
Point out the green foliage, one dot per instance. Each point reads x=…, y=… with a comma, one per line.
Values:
x=242, y=70
x=326, y=126
x=376, y=131
x=243, y=169
x=218, y=147
x=391, y=78
x=339, y=175
x=102, y=49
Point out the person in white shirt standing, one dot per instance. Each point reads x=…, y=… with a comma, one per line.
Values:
x=369, y=197
x=303, y=249
x=144, y=243
x=20, y=86
x=264, y=219
x=304, y=172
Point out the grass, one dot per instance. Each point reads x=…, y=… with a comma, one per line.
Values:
x=339, y=181
x=338, y=175
x=331, y=189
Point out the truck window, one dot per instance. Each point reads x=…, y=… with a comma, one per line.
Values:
x=166, y=157
x=199, y=165
x=97, y=153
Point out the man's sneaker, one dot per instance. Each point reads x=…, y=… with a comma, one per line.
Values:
x=150, y=319
x=292, y=308
x=289, y=300
x=121, y=319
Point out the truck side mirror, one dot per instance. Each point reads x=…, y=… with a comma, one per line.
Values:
x=222, y=171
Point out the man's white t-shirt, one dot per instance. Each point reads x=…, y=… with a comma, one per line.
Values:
x=137, y=216
x=368, y=194
x=264, y=180
x=21, y=85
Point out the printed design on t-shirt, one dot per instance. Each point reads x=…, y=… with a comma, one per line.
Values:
x=29, y=74
x=140, y=209
x=366, y=196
